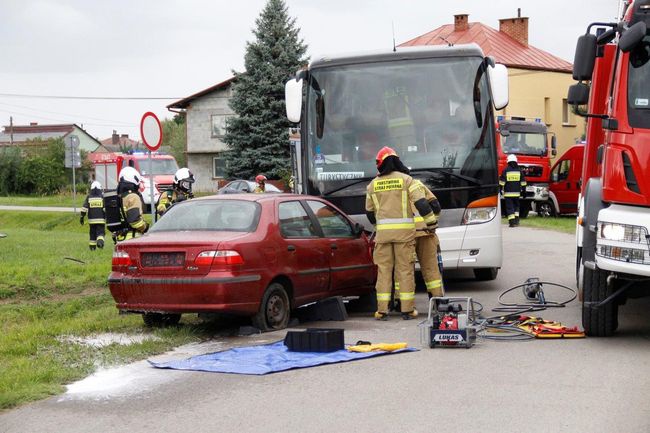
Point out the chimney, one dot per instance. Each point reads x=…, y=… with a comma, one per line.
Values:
x=125, y=136
x=115, y=139
x=516, y=28
x=460, y=23
x=33, y=123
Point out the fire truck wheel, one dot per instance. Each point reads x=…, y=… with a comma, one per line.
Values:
x=545, y=209
x=603, y=321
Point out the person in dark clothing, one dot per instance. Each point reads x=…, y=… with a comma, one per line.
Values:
x=94, y=207
x=513, y=186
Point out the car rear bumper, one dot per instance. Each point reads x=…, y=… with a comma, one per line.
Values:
x=239, y=294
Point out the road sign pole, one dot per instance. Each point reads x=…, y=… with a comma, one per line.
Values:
x=153, y=203
x=74, y=186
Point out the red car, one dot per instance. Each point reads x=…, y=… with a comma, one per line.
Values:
x=259, y=255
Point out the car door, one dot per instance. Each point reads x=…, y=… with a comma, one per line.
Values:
x=304, y=253
x=350, y=259
x=563, y=187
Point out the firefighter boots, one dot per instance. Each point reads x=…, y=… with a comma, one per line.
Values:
x=410, y=315
x=381, y=316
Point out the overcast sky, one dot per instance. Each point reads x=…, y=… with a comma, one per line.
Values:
x=163, y=48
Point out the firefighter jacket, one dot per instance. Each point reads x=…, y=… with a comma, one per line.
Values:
x=259, y=190
x=420, y=225
x=132, y=206
x=512, y=181
x=389, y=201
x=94, y=207
x=170, y=197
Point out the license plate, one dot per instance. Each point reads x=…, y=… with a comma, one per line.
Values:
x=530, y=188
x=168, y=260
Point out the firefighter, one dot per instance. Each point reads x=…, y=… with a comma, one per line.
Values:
x=427, y=247
x=94, y=207
x=513, y=185
x=389, y=199
x=261, y=184
x=128, y=189
x=181, y=190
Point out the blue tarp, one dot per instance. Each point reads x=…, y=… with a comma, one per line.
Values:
x=264, y=359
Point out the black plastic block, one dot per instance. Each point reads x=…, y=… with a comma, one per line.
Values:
x=315, y=340
x=327, y=309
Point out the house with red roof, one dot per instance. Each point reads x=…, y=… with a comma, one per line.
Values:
x=539, y=81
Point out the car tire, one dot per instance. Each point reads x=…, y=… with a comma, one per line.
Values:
x=486, y=274
x=275, y=309
x=545, y=209
x=603, y=321
x=160, y=320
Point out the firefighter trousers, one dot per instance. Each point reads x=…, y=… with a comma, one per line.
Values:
x=395, y=257
x=426, y=248
x=512, y=207
x=96, y=233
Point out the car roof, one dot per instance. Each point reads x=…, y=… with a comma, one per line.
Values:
x=256, y=197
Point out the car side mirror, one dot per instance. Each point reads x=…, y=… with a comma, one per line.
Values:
x=357, y=229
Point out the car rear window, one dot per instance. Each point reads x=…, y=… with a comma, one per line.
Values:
x=213, y=215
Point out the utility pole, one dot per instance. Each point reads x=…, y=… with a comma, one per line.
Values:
x=11, y=130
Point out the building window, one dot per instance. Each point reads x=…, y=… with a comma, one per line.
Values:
x=219, y=166
x=547, y=111
x=567, y=114
x=218, y=122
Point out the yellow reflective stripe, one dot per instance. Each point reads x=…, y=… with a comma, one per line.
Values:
x=396, y=285
x=511, y=194
x=395, y=226
x=433, y=284
x=407, y=296
x=137, y=225
x=513, y=176
x=405, y=208
x=100, y=238
x=418, y=219
x=414, y=186
x=383, y=296
x=523, y=183
x=431, y=219
x=96, y=221
x=375, y=202
x=511, y=216
x=502, y=183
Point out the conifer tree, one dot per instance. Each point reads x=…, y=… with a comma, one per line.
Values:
x=258, y=136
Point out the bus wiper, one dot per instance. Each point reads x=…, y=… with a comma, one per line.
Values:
x=356, y=182
x=471, y=180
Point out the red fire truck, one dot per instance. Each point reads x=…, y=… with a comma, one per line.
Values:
x=108, y=165
x=528, y=139
x=613, y=240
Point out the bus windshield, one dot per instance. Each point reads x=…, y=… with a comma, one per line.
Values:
x=434, y=112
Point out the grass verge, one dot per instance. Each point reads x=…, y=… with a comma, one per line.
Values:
x=59, y=200
x=565, y=224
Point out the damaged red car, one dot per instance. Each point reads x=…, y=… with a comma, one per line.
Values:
x=257, y=255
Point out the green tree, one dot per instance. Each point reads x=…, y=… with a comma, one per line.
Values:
x=10, y=161
x=258, y=137
x=173, y=131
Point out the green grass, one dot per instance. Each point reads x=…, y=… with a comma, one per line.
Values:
x=59, y=200
x=44, y=297
x=565, y=224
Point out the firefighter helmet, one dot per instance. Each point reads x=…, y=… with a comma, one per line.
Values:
x=183, y=179
x=512, y=158
x=96, y=185
x=130, y=175
x=384, y=153
x=260, y=178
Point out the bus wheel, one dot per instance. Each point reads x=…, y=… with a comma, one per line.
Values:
x=602, y=321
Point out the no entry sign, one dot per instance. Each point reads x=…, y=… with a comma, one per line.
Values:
x=151, y=131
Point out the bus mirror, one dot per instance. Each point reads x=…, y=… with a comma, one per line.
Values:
x=632, y=36
x=578, y=94
x=499, y=85
x=293, y=99
x=585, y=57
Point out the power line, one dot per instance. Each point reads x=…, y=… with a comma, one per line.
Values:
x=98, y=98
x=117, y=122
x=65, y=120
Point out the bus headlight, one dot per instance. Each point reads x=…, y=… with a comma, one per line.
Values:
x=481, y=210
x=478, y=215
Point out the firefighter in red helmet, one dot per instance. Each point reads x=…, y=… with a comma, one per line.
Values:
x=261, y=184
x=389, y=200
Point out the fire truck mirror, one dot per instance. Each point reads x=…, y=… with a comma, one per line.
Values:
x=553, y=143
x=578, y=94
x=632, y=36
x=585, y=57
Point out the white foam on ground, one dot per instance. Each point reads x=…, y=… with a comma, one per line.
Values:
x=136, y=378
x=102, y=340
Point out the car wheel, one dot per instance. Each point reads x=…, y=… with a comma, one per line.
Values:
x=545, y=209
x=603, y=321
x=275, y=309
x=160, y=320
x=486, y=274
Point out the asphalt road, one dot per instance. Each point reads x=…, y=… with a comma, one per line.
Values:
x=580, y=385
